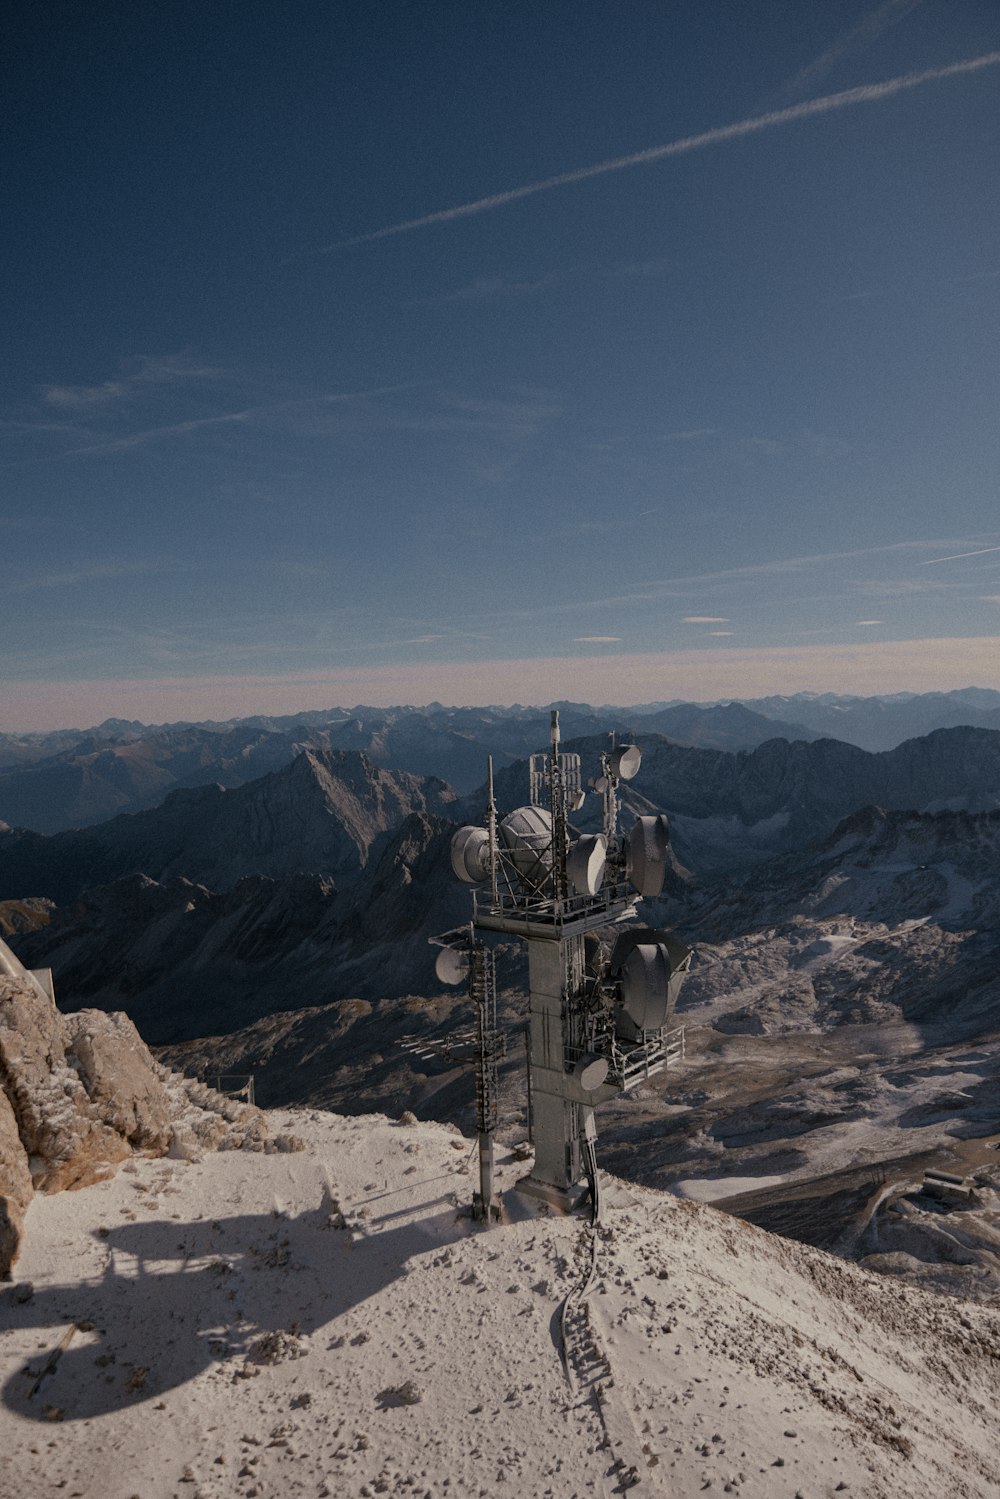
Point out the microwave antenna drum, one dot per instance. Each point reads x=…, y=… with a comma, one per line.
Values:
x=624, y=761
x=648, y=840
x=527, y=835
x=586, y=863
x=470, y=855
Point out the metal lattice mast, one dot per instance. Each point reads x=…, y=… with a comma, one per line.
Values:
x=489, y=1048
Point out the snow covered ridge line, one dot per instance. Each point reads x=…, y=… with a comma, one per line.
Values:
x=81, y=1093
x=327, y=1324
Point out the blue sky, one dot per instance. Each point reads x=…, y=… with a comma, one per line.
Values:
x=718, y=421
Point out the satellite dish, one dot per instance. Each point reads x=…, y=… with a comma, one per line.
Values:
x=648, y=841
x=577, y=800
x=470, y=855
x=601, y=784
x=586, y=863
x=452, y=966
x=625, y=761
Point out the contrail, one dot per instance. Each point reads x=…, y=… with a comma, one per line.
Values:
x=868, y=93
x=956, y=556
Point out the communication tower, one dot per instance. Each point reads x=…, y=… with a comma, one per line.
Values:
x=601, y=989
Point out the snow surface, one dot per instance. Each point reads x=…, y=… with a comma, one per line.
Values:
x=326, y=1323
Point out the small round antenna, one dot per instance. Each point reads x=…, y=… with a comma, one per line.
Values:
x=451, y=966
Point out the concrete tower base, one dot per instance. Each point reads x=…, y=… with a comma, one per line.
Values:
x=562, y=1200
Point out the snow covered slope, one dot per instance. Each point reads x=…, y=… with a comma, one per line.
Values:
x=325, y=1323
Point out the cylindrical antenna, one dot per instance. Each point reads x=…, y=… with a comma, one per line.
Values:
x=555, y=731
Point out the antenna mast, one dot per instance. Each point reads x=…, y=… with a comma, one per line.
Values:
x=597, y=1017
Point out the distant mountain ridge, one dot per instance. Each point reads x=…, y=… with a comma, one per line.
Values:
x=76, y=778
x=881, y=723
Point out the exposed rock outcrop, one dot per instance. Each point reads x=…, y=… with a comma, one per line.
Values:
x=80, y=1093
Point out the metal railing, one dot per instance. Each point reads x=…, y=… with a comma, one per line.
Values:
x=233, y=1085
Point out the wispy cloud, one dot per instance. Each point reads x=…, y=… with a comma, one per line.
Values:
x=869, y=621
x=248, y=415
x=156, y=434
x=690, y=435
x=868, y=93
x=490, y=289
x=721, y=632
x=83, y=573
x=146, y=370
x=867, y=31
x=79, y=397
x=597, y=639
x=705, y=619
x=385, y=645
x=641, y=269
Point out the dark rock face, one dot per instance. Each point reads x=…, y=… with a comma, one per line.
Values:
x=184, y=960
x=793, y=793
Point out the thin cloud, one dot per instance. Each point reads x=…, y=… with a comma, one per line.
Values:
x=85, y=573
x=690, y=435
x=705, y=619
x=640, y=269
x=868, y=93
x=225, y=418
x=957, y=556
x=867, y=31
x=489, y=289
x=81, y=397
x=148, y=369
x=155, y=434
x=597, y=639
x=869, y=621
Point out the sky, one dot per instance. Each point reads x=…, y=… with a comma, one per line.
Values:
x=372, y=354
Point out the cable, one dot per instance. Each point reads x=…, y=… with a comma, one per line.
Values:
x=579, y=1292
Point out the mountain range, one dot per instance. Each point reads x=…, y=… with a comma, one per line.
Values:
x=321, y=882
x=72, y=778
x=843, y=1006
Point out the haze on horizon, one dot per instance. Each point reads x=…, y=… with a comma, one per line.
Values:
x=563, y=352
